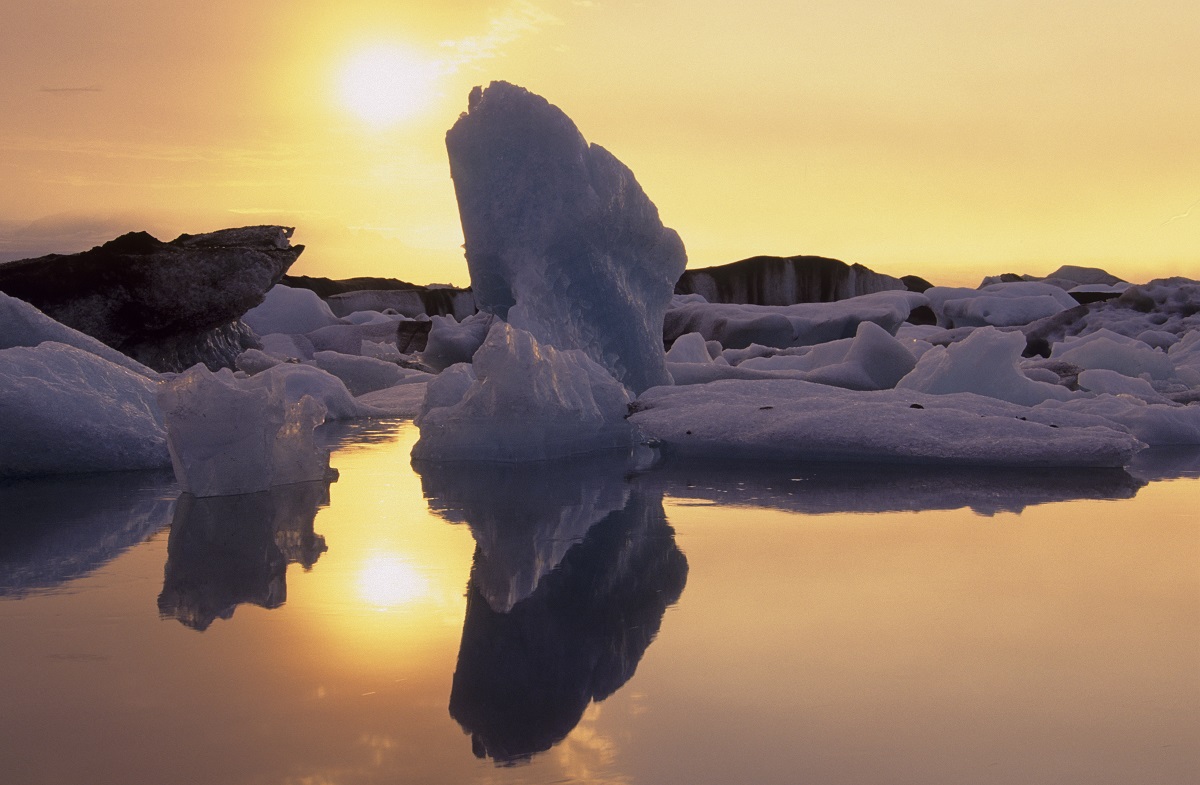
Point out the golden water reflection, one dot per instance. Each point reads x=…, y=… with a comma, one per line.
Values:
x=843, y=633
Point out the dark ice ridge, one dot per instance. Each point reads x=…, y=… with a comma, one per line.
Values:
x=167, y=305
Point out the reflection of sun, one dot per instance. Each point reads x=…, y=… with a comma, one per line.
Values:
x=386, y=84
x=386, y=581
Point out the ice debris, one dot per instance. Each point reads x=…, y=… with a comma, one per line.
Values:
x=232, y=436
x=521, y=401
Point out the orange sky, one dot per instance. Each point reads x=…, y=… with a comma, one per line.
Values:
x=947, y=139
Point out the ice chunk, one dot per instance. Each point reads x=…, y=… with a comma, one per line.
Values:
x=690, y=348
x=349, y=338
x=801, y=421
x=520, y=401
x=65, y=410
x=1104, y=381
x=986, y=363
x=999, y=311
x=1129, y=357
x=253, y=361
x=232, y=436
x=561, y=241
x=361, y=375
x=875, y=361
x=284, y=346
x=288, y=310
x=1155, y=424
x=403, y=400
x=23, y=325
x=740, y=326
x=301, y=380
x=452, y=342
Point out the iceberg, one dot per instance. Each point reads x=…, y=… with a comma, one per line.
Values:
x=793, y=420
x=561, y=241
x=65, y=410
x=232, y=436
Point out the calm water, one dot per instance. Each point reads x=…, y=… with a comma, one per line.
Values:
x=687, y=624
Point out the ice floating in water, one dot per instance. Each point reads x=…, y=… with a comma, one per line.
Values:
x=65, y=410
x=231, y=436
x=739, y=326
x=802, y=421
x=986, y=363
x=520, y=401
x=561, y=241
x=290, y=311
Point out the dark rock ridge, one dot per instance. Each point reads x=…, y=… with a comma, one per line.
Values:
x=785, y=280
x=347, y=295
x=167, y=305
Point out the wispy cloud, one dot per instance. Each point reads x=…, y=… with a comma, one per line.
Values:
x=1182, y=215
x=517, y=20
x=95, y=88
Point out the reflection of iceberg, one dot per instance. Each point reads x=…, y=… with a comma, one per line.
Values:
x=524, y=516
x=835, y=488
x=227, y=550
x=525, y=677
x=56, y=529
x=1166, y=463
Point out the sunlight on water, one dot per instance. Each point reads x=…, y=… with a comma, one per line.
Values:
x=576, y=623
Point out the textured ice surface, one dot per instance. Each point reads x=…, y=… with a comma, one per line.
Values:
x=66, y=410
x=362, y=375
x=802, y=421
x=987, y=363
x=301, y=380
x=561, y=241
x=739, y=326
x=232, y=436
x=403, y=400
x=689, y=348
x=997, y=304
x=1128, y=357
x=1155, y=424
x=451, y=342
x=23, y=325
x=874, y=361
x=290, y=311
x=521, y=401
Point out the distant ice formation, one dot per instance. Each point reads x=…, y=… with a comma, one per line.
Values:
x=561, y=241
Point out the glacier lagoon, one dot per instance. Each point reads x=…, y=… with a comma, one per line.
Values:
x=597, y=622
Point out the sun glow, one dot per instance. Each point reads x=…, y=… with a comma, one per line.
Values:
x=387, y=84
x=387, y=581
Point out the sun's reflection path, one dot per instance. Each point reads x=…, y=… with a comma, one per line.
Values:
x=574, y=568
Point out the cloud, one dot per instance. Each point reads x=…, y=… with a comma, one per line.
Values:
x=519, y=19
x=71, y=90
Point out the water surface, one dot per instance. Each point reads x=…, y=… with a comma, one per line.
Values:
x=592, y=623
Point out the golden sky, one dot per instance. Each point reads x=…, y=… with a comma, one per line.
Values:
x=946, y=138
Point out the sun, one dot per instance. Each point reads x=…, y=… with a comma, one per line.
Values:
x=386, y=84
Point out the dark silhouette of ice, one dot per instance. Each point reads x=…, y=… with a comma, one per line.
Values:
x=167, y=305
x=58, y=529
x=227, y=550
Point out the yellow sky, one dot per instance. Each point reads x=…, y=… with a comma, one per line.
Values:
x=948, y=139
